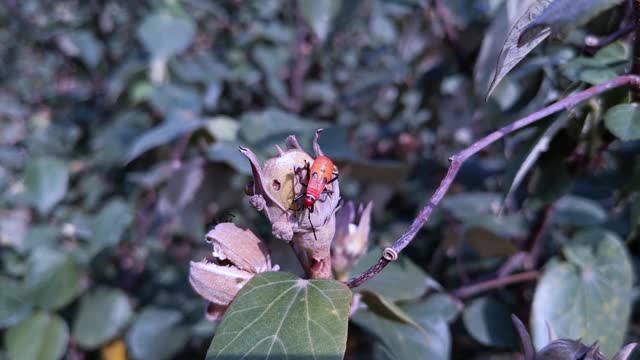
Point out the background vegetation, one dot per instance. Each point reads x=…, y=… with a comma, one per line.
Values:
x=119, y=128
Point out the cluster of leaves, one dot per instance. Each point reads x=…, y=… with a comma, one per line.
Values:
x=119, y=127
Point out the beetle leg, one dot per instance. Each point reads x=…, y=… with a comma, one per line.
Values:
x=336, y=176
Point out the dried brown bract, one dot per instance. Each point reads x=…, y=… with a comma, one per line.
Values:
x=237, y=256
x=276, y=184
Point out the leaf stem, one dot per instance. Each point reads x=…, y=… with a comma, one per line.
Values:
x=459, y=158
x=471, y=290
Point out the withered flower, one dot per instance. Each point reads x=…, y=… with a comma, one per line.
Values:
x=276, y=184
x=351, y=237
x=237, y=256
x=564, y=349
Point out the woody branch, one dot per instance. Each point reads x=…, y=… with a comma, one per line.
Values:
x=459, y=158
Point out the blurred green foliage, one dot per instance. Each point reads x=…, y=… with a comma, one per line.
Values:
x=119, y=128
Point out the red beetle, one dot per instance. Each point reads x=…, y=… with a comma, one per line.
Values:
x=320, y=175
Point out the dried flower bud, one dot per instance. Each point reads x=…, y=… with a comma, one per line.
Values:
x=563, y=349
x=237, y=256
x=351, y=237
x=276, y=184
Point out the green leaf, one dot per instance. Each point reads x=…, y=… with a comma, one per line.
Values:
x=400, y=280
x=46, y=180
x=110, y=224
x=386, y=309
x=624, y=121
x=164, y=133
x=42, y=336
x=587, y=296
x=514, y=50
x=605, y=65
x=399, y=341
x=489, y=322
x=164, y=34
x=84, y=45
x=563, y=15
x=577, y=211
x=319, y=14
x=169, y=99
x=279, y=315
x=228, y=153
x=102, y=314
x=156, y=334
x=52, y=280
x=13, y=305
x=271, y=124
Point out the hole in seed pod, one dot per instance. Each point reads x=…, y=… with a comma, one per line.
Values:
x=276, y=185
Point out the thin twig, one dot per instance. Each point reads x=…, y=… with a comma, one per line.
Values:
x=471, y=290
x=625, y=28
x=450, y=33
x=458, y=159
x=635, y=66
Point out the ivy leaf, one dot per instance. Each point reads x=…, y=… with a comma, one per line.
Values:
x=109, y=225
x=164, y=34
x=278, y=315
x=46, y=180
x=53, y=279
x=156, y=334
x=624, y=121
x=102, y=314
x=319, y=14
x=42, y=336
x=489, y=322
x=587, y=296
x=515, y=49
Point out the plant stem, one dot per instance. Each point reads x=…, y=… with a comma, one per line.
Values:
x=635, y=67
x=471, y=290
x=458, y=159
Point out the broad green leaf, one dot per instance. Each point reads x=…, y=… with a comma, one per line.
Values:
x=577, y=211
x=102, y=314
x=624, y=121
x=228, y=153
x=563, y=15
x=53, y=279
x=387, y=309
x=162, y=134
x=110, y=224
x=607, y=63
x=513, y=51
x=156, y=334
x=274, y=125
x=13, y=306
x=46, y=180
x=400, y=280
x=399, y=341
x=587, y=296
x=319, y=14
x=171, y=100
x=164, y=34
x=42, y=336
x=84, y=45
x=489, y=322
x=278, y=315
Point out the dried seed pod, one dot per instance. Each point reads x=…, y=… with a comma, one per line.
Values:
x=564, y=349
x=237, y=256
x=276, y=184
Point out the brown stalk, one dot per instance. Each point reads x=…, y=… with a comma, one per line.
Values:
x=458, y=159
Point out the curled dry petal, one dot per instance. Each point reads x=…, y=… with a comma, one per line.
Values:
x=240, y=247
x=217, y=283
x=351, y=237
x=237, y=256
